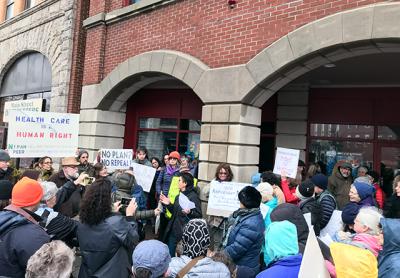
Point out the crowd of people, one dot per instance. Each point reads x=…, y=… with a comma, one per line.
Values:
x=50, y=218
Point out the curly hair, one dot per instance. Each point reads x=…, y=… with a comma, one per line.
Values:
x=227, y=168
x=96, y=203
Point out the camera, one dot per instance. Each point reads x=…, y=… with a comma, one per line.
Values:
x=125, y=201
x=88, y=181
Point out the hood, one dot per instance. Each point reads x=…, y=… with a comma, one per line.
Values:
x=281, y=240
x=391, y=243
x=10, y=219
x=290, y=261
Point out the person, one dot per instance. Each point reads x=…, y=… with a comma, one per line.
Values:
x=275, y=182
x=361, y=193
x=172, y=169
x=339, y=183
x=180, y=215
x=392, y=206
x=84, y=164
x=313, y=169
x=389, y=257
x=362, y=171
x=106, y=239
x=45, y=166
x=53, y=259
x=6, y=172
x=5, y=193
x=32, y=174
x=289, y=186
x=151, y=259
x=195, y=243
x=186, y=166
x=142, y=156
x=165, y=160
x=268, y=200
x=308, y=204
x=379, y=194
x=20, y=233
x=324, y=198
x=283, y=249
x=349, y=214
x=153, y=200
x=127, y=187
x=244, y=237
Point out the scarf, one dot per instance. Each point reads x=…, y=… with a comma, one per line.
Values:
x=171, y=171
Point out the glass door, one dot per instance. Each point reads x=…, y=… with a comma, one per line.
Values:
x=389, y=164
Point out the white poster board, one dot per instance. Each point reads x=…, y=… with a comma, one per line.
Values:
x=223, y=198
x=334, y=224
x=27, y=105
x=144, y=175
x=116, y=159
x=36, y=134
x=286, y=161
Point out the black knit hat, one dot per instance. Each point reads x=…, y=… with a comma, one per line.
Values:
x=5, y=189
x=320, y=180
x=306, y=188
x=250, y=197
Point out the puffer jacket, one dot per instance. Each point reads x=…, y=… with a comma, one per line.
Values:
x=310, y=205
x=328, y=205
x=206, y=268
x=164, y=180
x=339, y=186
x=389, y=257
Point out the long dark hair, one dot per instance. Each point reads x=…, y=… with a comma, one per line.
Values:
x=96, y=203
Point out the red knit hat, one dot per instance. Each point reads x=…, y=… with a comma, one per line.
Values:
x=175, y=154
x=26, y=192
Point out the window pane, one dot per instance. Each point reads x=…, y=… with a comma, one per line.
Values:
x=157, y=142
x=9, y=11
x=189, y=142
x=389, y=132
x=158, y=123
x=192, y=125
x=342, y=131
x=331, y=152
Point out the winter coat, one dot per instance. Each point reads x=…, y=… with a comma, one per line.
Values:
x=107, y=248
x=289, y=192
x=164, y=180
x=339, y=186
x=145, y=162
x=20, y=238
x=87, y=168
x=392, y=207
x=245, y=238
x=328, y=205
x=178, y=218
x=310, y=205
x=206, y=268
x=287, y=267
x=389, y=257
x=379, y=195
x=8, y=175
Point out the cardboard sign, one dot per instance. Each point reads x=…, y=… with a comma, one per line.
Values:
x=116, y=159
x=27, y=105
x=223, y=198
x=144, y=175
x=286, y=162
x=36, y=134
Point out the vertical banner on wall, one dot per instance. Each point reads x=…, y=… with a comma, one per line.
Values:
x=286, y=162
x=36, y=134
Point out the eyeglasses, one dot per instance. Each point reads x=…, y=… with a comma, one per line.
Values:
x=223, y=173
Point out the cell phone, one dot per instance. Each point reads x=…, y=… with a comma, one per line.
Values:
x=125, y=201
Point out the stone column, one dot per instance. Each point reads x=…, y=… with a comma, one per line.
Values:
x=3, y=8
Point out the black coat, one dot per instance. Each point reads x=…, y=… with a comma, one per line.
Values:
x=328, y=205
x=107, y=247
x=310, y=205
x=392, y=207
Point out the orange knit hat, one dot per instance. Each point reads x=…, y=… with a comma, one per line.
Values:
x=26, y=192
x=175, y=154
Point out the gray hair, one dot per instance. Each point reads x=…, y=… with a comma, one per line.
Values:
x=53, y=259
x=49, y=190
x=370, y=217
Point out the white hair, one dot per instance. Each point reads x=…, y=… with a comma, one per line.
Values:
x=370, y=217
x=49, y=190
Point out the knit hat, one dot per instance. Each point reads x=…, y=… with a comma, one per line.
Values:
x=49, y=190
x=5, y=189
x=152, y=255
x=81, y=152
x=26, y=192
x=32, y=174
x=195, y=238
x=349, y=213
x=364, y=190
x=265, y=190
x=174, y=154
x=320, y=180
x=346, y=165
x=250, y=197
x=4, y=156
x=305, y=189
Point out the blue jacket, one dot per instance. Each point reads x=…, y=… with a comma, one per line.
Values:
x=389, y=257
x=246, y=239
x=287, y=267
x=164, y=181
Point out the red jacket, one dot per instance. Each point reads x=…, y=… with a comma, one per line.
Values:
x=289, y=193
x=379, y=195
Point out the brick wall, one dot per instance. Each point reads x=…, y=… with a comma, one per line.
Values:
x=206, y=29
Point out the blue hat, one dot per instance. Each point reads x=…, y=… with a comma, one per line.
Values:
x=364, y=190
x=349, y=213
x=320, y=180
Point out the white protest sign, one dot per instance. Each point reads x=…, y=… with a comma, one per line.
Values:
x=286, y=161
x=334, y=224
x=144, y=175
x=116, y=159
x=223, y=198
x=36, y=134
x=28, y=105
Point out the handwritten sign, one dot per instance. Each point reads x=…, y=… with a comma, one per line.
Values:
x=144, y=175
x=28, y=105
x=36, y=134
x=286, y=162
x=116, y=159
x=223, y=198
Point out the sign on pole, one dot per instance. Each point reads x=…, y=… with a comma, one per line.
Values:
x=27, y=105
x=223, y=198
x=286, y=162
x=36, y=134
x=116, y=159
x=144, y=175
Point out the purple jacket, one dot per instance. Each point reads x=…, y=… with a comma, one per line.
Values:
x=287, y=267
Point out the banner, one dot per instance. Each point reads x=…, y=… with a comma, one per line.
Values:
x=286, y=162
x=116, y=159
x=223, y=198
x=144, y=175
x=27, y=105
x=36, y=134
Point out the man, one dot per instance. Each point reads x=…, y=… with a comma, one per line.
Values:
x=84, y=165
x=5, y=171
x=20, y=233
x=339, y=184
x=324, y=198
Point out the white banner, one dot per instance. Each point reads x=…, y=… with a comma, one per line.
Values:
x=286, y=162
x=144, y=175
x=27, y=105
x=36, y=134
x=223, y=198
x=116, y=159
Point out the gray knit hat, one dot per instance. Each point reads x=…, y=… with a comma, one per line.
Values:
x=4, y=156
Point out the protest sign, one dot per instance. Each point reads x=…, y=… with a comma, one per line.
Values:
x=223, y=198
x=334, y=224
x=144, y=175
x=27, y=105
x=116, y=159
x=286, y=161
x=36, y=134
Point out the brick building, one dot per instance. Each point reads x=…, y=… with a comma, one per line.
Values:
x=233, y=82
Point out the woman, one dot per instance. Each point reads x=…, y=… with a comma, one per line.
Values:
x=361, y=193
x=106, y=239
x=245, y=234
x=392, y=205
x=45, y=166
x=388, y=260
x=156, y=164
x=180, y=216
